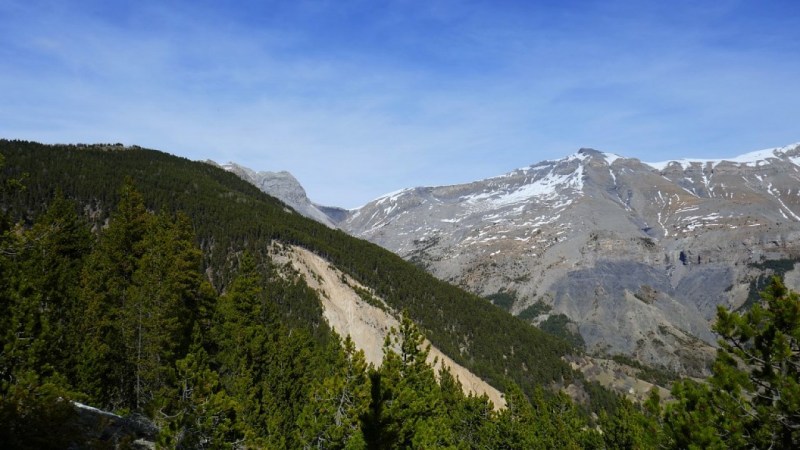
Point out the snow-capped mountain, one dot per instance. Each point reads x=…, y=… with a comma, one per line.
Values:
x=285, y=187
x=637, y=254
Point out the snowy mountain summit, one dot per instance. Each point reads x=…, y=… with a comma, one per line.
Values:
x=638, y=255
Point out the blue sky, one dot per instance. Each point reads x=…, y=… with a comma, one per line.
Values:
x=358, y=98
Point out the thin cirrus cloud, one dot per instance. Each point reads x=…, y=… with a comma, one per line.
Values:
x=360, y=98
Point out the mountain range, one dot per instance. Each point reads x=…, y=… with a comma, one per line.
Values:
x=352, y=287
x=628, y=257
x=149, y=298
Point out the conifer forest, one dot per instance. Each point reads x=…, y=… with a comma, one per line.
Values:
x=141, y=284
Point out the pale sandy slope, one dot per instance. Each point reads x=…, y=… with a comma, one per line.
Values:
x=367, y=325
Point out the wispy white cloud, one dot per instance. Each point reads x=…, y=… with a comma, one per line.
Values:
x=357, y=100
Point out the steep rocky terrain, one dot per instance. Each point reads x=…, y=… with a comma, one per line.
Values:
x=367, y=324
x=638, y=255
x=285, y=187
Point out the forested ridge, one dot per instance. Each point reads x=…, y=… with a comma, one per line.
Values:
x=140, y=283
x=230, y=215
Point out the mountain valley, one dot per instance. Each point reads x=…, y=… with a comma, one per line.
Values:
x=631, y=258
x=155, y=301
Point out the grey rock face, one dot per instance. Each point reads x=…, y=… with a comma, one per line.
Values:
x=639, y=255
x=285, y=187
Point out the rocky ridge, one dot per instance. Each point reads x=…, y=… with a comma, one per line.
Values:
x=637, y=254
x=285, y=187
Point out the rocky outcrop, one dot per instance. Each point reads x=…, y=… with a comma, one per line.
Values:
x=96, y=428
x=285, y=187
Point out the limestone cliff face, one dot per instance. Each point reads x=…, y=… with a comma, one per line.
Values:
x=639, y=255
x=285, y=187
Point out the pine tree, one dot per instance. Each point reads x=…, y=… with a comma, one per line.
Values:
x=9, y=272
x=104, y=370
x=35, y=415
x=412, y=413
x=515, y=424
x=51, y=257
x=569, y=428
x=757, y=368
x=35, y=289
x=628, y=428
x=752, y=399
x=204, y=415
x=695, y=422
x=158, y=314
x=474, y=422
x=330, y=419
x=262, y=364
x=10, y=351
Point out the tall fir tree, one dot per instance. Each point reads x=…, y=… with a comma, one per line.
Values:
x=515, y=424
x=412, y=409
x=104, y=370
x=330, y=419
x=752, y=399
x=161, y=305
x=202, y=414
x=35, y=292
x=258, y=358
x=9, y=248
x=51, y=254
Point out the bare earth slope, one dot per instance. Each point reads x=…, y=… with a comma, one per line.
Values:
x=367, y=325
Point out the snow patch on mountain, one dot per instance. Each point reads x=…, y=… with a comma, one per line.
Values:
x=547, y=187
x=610, y=157
x=751, y=159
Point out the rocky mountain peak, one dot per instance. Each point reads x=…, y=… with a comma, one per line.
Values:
x=282, y=182
x=589, y=152
x=285, y=187
x=636, y=255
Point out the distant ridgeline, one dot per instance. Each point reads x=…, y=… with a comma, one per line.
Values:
x=140, y=282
